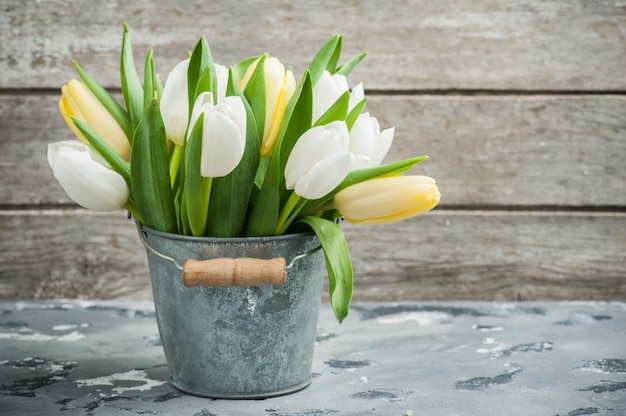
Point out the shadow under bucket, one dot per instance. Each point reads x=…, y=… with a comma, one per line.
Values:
x=236, y=342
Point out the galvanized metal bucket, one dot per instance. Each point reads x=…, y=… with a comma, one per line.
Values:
x=228, y=339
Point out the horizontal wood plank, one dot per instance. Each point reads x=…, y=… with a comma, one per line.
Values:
x=441, y=255
x=71, y=254
x=520, y=105
x=512, y=150
x=413, y=44
x=488, y=255
x=484, y=151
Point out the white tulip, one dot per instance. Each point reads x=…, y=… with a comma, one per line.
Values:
x=223, y=133
x=174, y=103
x=319, y=161
x=368, y=143
x=329, y=88
x=86, y=177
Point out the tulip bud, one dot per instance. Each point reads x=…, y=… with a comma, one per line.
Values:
x=85, y=176
x=387, y=199
x=223, y=134
x=279, y=87
x=319, y=161
x=79, y=102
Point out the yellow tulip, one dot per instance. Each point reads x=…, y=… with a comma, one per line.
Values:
x=279, y=87
x=77, y=101
x=387, y=199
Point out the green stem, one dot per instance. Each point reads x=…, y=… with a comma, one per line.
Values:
x=206, y=198
x=288, y=214
x=130, y=207
x=175, y=163
x=320, y=209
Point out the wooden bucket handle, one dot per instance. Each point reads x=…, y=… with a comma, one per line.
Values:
x=228, y=272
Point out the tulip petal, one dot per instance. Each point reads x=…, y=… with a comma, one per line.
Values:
x=381, y=146
x=325, y=92
x=86, y=107
x=79, y=102
x=222, y=145
x=205, y=98
x=324, y=176
x=85, y=180
x=361, y=140
x=314, y=145
x=174, y=104
x=388, y=199
x=368, y=143
x=274, y=74
x=275, y=109
x=357, y=94
x=67, y=112
x=221, y=72
x=236, y=112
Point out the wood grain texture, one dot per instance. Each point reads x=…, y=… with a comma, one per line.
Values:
x=441, y=255
x=485, y=150
x=500, y=255
x=71, y=254
x=412, y=44
x=521, y=106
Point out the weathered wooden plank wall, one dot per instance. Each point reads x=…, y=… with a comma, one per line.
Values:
x=521, y=106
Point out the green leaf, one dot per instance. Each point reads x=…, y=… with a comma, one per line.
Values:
x=338, y=263
x=199, y=62
x=131, y=85
x=337, y=111
x=114, y=160
x=354, y=113
x=193, y=189
x=240, y=68
x=204, y=84
x=261, y=172
x=323, y=57
x=264, y=213
x=256, y=96
x=331, y=66
x=150, y=178
x=230, y=194
x=346, y=68
x=184, y=227
x=377, y=171
x=158, y=86
x=177, y=189
x=117, y=111
x=148, y=80
x=297, y=119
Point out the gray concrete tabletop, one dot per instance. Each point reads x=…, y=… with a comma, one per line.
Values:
x=415, y=358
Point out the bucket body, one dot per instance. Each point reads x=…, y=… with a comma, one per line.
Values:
x=237, y=342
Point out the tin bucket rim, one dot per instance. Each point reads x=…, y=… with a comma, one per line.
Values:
x=204, y=239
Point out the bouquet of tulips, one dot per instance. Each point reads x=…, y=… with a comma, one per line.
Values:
x=238, y=151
